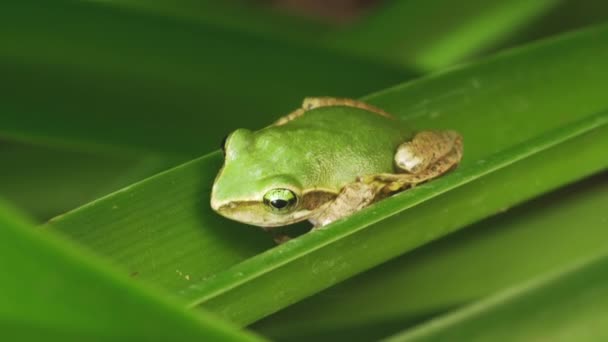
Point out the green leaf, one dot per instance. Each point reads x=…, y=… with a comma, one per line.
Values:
x=516, y=136
x=149, y=82
x=53, y=291
x=276, y=278
x=568, y=15
x=399, y=32
x=571, y=305
x=434, y=34
x=489, y=256
x=166, y=86
x=46, y=182
x=241, y=16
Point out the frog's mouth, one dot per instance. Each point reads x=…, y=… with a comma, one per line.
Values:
x=256, y=213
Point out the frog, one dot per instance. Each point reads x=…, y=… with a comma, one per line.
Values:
x=324, y=161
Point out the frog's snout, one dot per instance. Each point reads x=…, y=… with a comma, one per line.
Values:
x=216, y=203
x=222, y=205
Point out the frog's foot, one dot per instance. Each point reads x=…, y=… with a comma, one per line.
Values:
x=393, y=182
x=352, y=198
x=427, y=148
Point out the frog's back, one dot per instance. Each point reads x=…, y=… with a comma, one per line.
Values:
x=335, y=145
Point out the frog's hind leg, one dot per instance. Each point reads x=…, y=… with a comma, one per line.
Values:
x=291, y=116
x=317, y=102
x=429, y=155
x=311, y=103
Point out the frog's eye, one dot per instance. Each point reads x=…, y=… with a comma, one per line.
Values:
x=280, y=200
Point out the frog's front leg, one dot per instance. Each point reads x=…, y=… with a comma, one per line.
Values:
x=353, y=197
x=428, y=155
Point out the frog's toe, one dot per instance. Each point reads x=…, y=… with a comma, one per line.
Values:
x=407, y=159
x=380, y=178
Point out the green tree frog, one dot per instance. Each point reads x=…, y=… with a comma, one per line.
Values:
x=325, y=161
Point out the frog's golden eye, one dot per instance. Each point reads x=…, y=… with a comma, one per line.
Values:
x=280, y=200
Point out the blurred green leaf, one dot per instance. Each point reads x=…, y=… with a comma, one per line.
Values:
x=54, y=292
x=505, y=108
x=238, y=16
x=434, y=34
x=166, y=86
x=571, y=305
x=47, y=182
x=492, y=255
x=568, y=15
x=94, y=76
x=399, y=32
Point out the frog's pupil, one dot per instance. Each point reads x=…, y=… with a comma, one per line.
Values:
x=280, y=200
x=279, y=203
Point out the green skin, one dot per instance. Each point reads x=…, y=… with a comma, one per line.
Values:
x=324, y=161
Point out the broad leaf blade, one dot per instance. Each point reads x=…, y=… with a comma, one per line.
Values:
x=47, y=182
x=52, y=291
x=571, y=305
x=372, y=236
x=163, y=229
x=533, y=239
x=435, y=34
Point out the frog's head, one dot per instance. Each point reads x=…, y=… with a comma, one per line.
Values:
x=254, y=188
